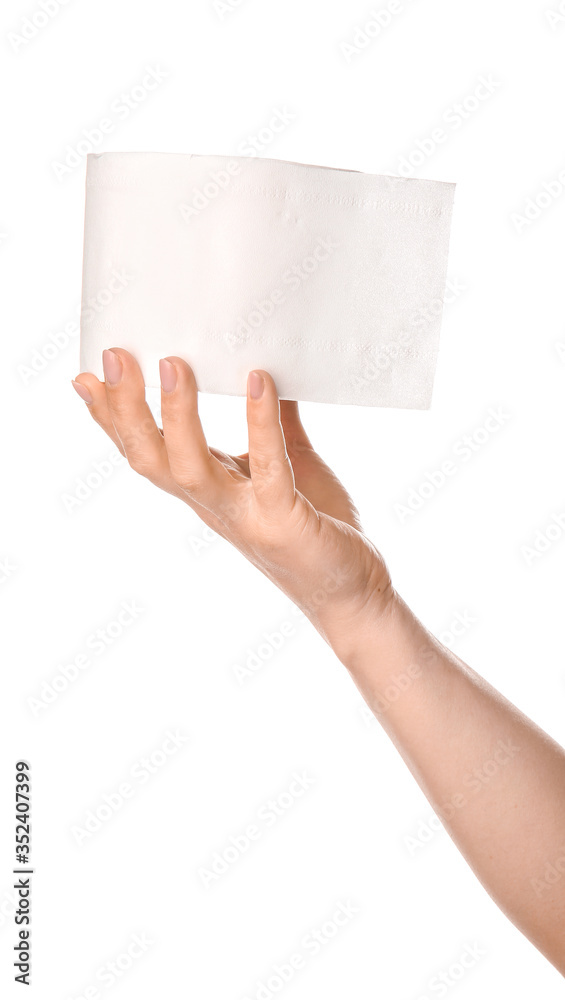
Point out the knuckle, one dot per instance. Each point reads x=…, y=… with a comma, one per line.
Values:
x=139, y=464
x=278, y=531
x=269, y=467
x=138, y=433
x=118, y=406
x=176, y=414
x=191, y=473
x=270, y=531
x=186, y=479
x=232, y=513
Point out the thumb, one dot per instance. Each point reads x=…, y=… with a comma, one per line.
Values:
x=271, y=473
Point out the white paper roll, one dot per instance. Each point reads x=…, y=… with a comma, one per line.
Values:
x=331, y=280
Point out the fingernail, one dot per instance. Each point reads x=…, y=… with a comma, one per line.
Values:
x=82, y=391
x=256, y=385
x=168, y=374
x=112, y=367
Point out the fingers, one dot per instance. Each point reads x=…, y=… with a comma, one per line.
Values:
x=179, y=455
x=93, y=393
x=193, y=467
x=131, y=416
x=271, y=472
x=118, y=406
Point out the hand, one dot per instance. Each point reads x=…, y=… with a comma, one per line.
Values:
x=278, y=503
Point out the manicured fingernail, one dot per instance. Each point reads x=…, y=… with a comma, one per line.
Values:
x=82, y=391
x=256, y=385
x=112, y=367
x=168, y=374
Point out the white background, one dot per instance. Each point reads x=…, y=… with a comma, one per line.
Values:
x=66, y=572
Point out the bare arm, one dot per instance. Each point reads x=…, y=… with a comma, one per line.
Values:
x=286, y=512
x=494, y=778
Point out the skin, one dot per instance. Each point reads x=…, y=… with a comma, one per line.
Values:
x=494, y=778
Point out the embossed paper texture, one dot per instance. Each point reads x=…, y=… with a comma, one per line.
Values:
x=332, y=280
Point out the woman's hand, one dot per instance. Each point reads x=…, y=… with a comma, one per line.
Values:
x=285, y=510
x=278, y=503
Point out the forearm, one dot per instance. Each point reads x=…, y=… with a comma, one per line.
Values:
x=494, y=778
x=287, y=513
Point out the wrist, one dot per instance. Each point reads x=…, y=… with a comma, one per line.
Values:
x=357, y=633
x=394, y=659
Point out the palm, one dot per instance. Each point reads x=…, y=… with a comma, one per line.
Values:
x=287, y=513
x=312, y=477
x=340, y=540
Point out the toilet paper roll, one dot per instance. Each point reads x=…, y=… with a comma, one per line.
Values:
x=332, y=280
